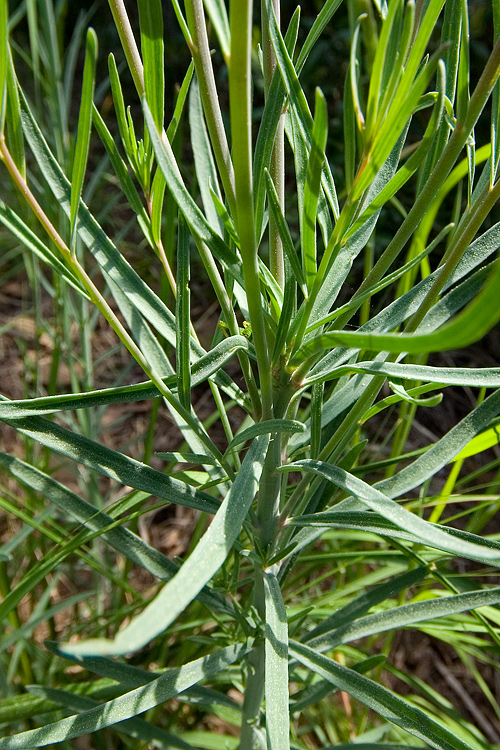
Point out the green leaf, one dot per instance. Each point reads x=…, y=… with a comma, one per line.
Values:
x=133, y=703
x=196, y=221
x=444, y=450
x=373, y=523
x=112, y=463
x=217, y=13
x=130, y=677
x=206, y=172
x=276, y=667
x=265, y=428
x=482, y=442
x=476, y=377
x=119, y=537
x=202, y=369
x=404, y=616
x=312, y=188
x=29, y=239
x=128, y=142
x=121, y=170
x=298, y=104
x=151, y=25
x=428, y=534
x=15, y=138
x=136, y=727
x=284, y=233
x=207, y=557
x=379, y=699
x=4, y=60
x=129, y=288
x=271, y=115
x=84, y=128
x=182, y=317
x=346, y=615
x=468, y=327
x=320, y=22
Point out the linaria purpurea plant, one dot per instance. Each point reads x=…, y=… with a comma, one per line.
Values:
x=295, y=480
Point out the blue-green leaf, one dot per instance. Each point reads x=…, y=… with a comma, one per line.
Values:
x=207, y=557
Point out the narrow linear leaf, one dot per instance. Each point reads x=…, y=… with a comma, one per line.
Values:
x=284, y=232
x=129, y=677
x=30, y=240
x=133, y=703
x=4, y=41
x=201, y=370
x=84, y=128
x=472, y=324
x=404, y=616
x=476, y=377
x=428, y=534
x=136, y=727
x=15, y=138
x=372, y=523
x=120, y=538
x=379, y=699
x=264, y=428
x=276, y=668
x=207, y=557
x=483, y=441
x=206, y=172
x=312, y=188
x=182, y=317
x=151, y=25
x=111, y=463
x=362, y=604
x=196, y=221
x=321, y=689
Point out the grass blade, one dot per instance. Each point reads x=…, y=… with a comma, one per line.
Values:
x=119, y=537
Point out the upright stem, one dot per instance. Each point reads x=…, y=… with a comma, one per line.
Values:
x=277, y=165
x=240, y=87
x=128, y=42
x=200, y=51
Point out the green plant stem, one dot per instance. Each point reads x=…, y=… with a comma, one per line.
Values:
x=230, y=318
x=240, y=85
x=129, y=44
x=277, y=164
x=200, y=51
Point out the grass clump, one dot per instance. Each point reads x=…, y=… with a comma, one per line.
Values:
x=329, y=530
